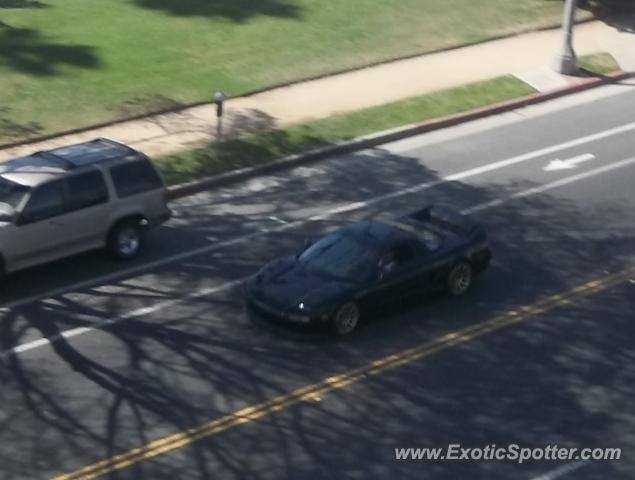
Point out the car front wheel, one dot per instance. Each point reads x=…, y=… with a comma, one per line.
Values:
x=346, y=319
x=459, y=279
x=125, y=240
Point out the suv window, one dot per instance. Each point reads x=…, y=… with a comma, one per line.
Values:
x=86, y=190
x=135, y=177
x=46, y=201
x=12, y=193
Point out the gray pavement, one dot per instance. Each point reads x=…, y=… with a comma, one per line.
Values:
x=158, y=346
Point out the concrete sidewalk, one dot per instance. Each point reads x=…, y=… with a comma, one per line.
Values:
x=528, y=56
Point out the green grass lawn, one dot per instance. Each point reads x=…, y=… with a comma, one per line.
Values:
x=262, y=147
x=72, y=63
x=597, y=63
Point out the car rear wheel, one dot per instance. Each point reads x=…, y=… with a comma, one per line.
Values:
x=125, y=240
x=459, y=279
x=346, y=319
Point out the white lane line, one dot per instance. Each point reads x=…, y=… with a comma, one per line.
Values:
x=552, y=185
x=25, y=347
x=139, y=312
x=273, y=218
x=544, y=151
x=327, y=214
x=560, y=471
x=557, y=164
x=480, y=170
x=513, y=117
x=140, y=268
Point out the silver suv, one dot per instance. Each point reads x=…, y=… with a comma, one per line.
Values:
x=77, y=198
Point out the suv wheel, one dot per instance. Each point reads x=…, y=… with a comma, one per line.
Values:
x=125, y=240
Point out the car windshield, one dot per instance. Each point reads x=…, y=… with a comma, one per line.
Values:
x=11, y=193
x=342, y=256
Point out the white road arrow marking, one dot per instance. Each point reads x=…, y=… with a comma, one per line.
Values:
x=558, y=164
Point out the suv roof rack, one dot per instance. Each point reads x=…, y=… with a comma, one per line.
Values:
x=87, y=153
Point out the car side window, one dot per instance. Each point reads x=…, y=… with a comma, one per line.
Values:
x=395, y=258
x=46, y=201
x=135, y=177
x=86, y=190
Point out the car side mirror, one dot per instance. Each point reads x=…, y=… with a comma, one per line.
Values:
x=7, y=213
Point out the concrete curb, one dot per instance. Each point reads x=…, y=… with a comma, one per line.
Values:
x=185, y=106
x=387, y=136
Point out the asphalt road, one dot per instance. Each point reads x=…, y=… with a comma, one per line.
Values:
x=100, y=358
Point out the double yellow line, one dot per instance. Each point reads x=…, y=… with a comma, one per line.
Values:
x=330, y=384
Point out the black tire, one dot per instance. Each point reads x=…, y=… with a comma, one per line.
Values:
x=125, y=240
x=459, y=278
x=345, y=319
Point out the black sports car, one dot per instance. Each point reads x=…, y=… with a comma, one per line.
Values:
x=355, y=270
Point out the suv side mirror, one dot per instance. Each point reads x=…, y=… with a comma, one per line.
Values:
x=7, y=213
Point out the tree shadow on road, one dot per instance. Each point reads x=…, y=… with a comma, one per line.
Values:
x=144, y=374
x=554, y=383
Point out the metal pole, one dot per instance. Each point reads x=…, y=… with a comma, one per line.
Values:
x=219, y=129
x=219, y=98
x=566, y=61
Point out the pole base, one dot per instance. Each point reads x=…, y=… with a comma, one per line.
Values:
x=566, y=64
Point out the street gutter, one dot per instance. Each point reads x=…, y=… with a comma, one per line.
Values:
x=387, y=136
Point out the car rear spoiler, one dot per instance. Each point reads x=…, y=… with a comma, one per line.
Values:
x=446, y=218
